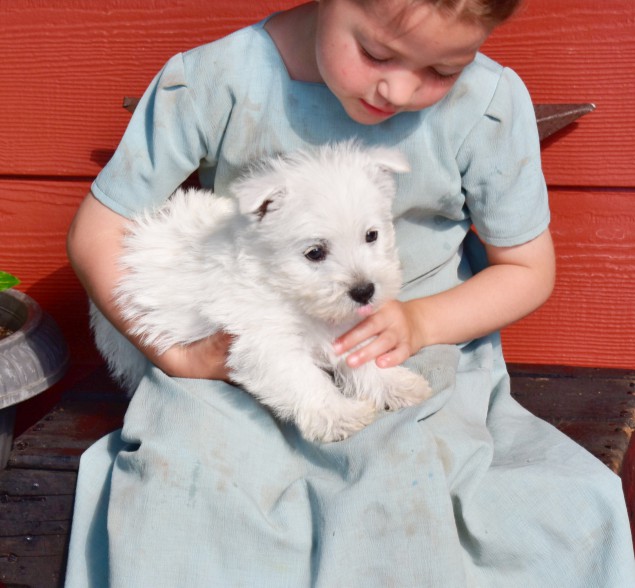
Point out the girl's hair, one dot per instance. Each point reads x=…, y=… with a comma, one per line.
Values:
x=490, y=13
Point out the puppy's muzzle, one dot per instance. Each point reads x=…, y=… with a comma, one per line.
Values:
x=362, y=293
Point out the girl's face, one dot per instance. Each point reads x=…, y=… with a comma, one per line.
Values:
x=382, y=60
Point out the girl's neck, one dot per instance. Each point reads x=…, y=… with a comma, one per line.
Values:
x=293, y=33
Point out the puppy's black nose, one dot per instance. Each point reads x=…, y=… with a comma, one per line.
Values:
x=363, y=293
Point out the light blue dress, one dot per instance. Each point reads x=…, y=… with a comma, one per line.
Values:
x=202, y=487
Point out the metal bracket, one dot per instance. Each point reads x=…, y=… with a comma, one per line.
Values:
x=551, y=118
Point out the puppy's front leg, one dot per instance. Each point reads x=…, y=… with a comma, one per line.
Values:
x=285, y=379
x=387, y=388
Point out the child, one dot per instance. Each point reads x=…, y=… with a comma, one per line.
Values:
x=202, y=487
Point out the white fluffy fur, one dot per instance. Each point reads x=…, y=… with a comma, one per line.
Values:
x=205, y=263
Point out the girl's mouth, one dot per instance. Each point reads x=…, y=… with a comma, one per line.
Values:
x=381, y=112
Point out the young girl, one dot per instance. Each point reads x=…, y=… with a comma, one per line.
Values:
x=202, y=487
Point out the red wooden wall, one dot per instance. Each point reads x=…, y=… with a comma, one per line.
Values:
x=66, y=64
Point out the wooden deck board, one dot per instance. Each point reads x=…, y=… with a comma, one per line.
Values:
x=58, y=440
x=596, y=407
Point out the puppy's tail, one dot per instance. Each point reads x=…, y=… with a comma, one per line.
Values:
x=125, y=362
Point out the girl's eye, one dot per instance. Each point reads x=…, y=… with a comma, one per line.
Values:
x=371, y=57
x=316, y=253
x=445, y=77
x=371, y=236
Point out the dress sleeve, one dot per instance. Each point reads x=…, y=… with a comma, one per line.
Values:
x=502, y=177
x=163, y=144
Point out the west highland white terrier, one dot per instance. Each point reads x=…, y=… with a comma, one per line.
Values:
x=302, y=252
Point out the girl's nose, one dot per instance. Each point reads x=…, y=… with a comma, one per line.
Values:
x=399, y=88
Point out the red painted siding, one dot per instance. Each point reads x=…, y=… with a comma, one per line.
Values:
x=66, y=64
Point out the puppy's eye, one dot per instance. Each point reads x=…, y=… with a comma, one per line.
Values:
x=371, y=235
x=316, y=253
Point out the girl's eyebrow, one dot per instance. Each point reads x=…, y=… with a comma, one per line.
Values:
x=384, y=45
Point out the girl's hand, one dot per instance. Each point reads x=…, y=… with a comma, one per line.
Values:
x=517, y=280
x=94, y=246
x=204, y=359
x=391, y=333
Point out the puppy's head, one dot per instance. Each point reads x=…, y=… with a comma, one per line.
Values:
x=321, y=226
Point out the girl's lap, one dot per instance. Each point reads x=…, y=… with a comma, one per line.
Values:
x=207, y=488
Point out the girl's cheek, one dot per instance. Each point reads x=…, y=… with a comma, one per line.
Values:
x=429, y=97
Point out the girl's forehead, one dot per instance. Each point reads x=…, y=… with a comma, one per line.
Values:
x=399, y=17
x=407, y=25
x=402, y=9
x=395, y=14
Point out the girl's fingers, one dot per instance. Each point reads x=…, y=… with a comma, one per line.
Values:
x=384, y=335
x=363, y=331
x=394, y=357
x=384, y=343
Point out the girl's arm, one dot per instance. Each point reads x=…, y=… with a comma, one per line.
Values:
x=94, y=246
x=517, y=281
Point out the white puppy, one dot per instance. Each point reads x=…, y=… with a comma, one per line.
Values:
x=302, y=253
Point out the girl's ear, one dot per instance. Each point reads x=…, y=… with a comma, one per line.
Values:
x=389, y=160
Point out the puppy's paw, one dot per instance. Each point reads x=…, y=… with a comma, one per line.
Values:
x=404, y=388
x=336, y=423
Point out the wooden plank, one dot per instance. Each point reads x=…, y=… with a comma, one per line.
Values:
x=558, y=372
x=578, y=399
x=579, y=51
x=34, y=219
x=36, y=504
x=608, y=441
x=33, y=545
x=80, y=58
x=36, y=214
x=15, y=526
x=35, y=516
x=590, y=318
x=57, y=441
x=91, y=408
x=28, y=572
x=30, y=483
x=594, y=407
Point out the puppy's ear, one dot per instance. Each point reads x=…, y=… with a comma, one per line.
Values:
x=389, y=160
x=257, y=196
